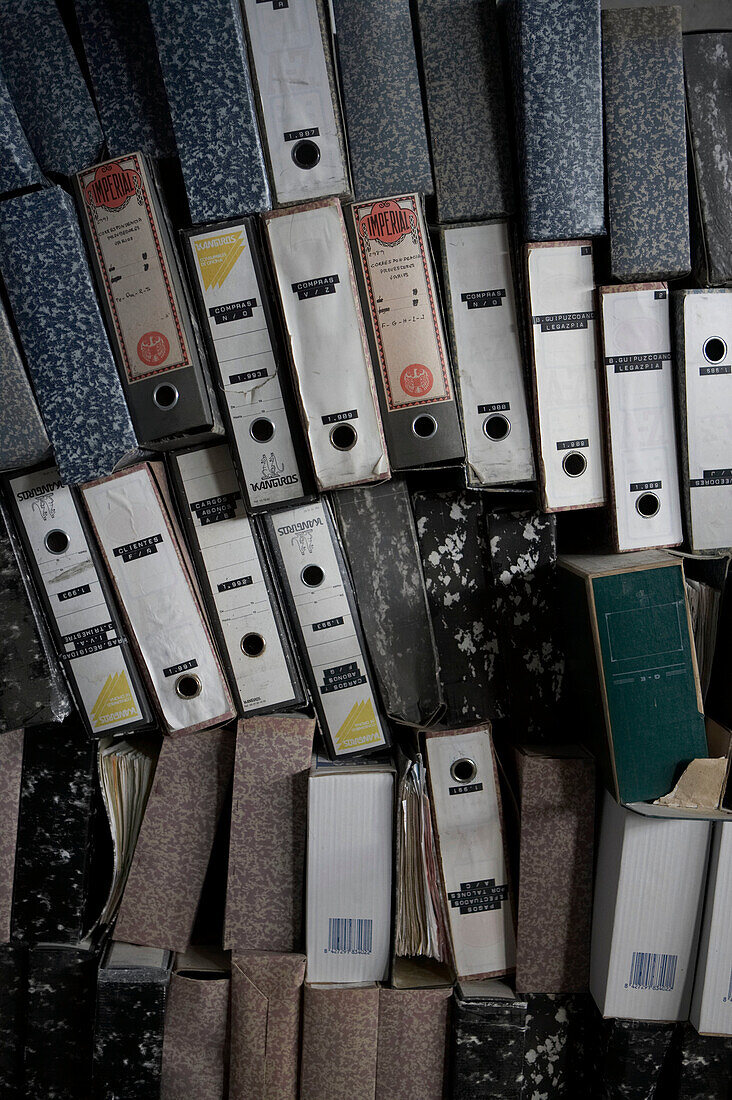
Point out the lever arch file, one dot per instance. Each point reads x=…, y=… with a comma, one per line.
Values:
x=638, y=394
x=81, y=615
x=565, y=380
x=253, y=639
x=313, y=572
x=228, y=272
x=481, y=309
x=327, y=342
x=406, y=332
x=149, y=567
x=298, y=99
x=19, y=165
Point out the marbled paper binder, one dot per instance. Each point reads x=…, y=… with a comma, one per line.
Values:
x=18, y=165
x=24, y=437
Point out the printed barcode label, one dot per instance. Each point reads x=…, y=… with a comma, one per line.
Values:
x=350, y=935
x=650, y=970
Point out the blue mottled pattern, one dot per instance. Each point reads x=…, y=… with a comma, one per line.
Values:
x=48, y=89
x=555, y=68
x=52, y=296
x=119, y=45
x=708, y=73
x=387, y=139
x=206, y=71
x=24, y=437
x=466, y=109
x=645, y=142
x=18, y=166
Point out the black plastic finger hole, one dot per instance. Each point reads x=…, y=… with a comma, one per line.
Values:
x=574, y=464
x=262, y=430
x=496, y=427
x=648, y=505
x=253, y=645
x=343, y=437
x=312, y=576
x=424, y=426
x=714, y=349
x=165, y=396
x=306, y=153
x=56, y=542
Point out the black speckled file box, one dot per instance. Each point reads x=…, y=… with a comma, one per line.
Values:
x=466, y=109
x=32, y=687
x=206, y=72
x=708, y=75
x=52, y=296
x=455, y=560
x=554, y=48
x=50, y=95
x=24, y=437
x=487, y=1043
x=119, y=46
x=626, y=1057
x=387, y=140
x=58, y=865
x=645, y=144
x=18, y=165
x=59, y=1041
x=704, y=1065
x=128, y=1035
x=13, y=984
x=380, y=540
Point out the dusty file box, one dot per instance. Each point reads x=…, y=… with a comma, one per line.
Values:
x=480, y=300
x=245, y=349
x=196, y=1042
x=327, y=344
x=631, y=668
x=406, y=332
x=340, y=1037
x=703, y=323
x=144, y=553
x=638, y=396
x=349, y=846
x=266, y=998
x=560, y=292
x=649, y=892
x=711, y=1004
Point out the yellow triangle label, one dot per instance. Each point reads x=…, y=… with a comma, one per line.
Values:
x=217, y=255
x=115, y=702
x=359, y=728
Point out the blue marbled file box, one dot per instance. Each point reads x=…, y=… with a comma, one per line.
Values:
x=120, y=50
x=206, y=71
x=44, y=266
x=24, y=438
x=18, y=166
x=466, y=109
x=387, y=140
x=48, y=89
x=557, y=89
x=645, y=144
x=708, y=73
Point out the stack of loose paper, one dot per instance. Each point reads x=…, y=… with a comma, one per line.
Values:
x=421, y=926
x=704, y=604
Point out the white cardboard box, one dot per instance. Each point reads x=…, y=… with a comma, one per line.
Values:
x=649, y=887
x=349, y=893
x=711, y=1003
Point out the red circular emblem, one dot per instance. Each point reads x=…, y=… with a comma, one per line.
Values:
x=153, y=349
x=416, y=380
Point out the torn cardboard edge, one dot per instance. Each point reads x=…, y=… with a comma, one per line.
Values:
x=704, y=790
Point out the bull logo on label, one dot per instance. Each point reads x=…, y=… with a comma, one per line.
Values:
x=46, y=507
x=304, y=542
x=388, y=223
x=112, y=187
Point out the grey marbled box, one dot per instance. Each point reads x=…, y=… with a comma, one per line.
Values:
x=387, y=139
x=708, y=73
x=380, y=540
x=120, y=50
x=645, y=144
x=204, y=61
x=43, y=263
x=466, y=109
x=47, y=86
x=554, y=48
x=18, y=165
x=23, y=438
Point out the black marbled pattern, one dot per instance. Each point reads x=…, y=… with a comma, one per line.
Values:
x=60, y=1024
x=554, y=1046
x=54, y=862
x=380, y=541
x=487, y=1049
x=43, y=263
x=454, y=552
x=128, y=1041
x=627, y=1057
x=645, y=144
x=13, y=982
x=555, y=69
x=120, y=50
x=48, y=89
x=204, y=62
x=466, y=109
x=708, y=75
x=24, y=437
x=704, y=1069
x=18, y=166
x=387, y=139
x=32, y=687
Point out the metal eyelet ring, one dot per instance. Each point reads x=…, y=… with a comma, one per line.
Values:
x=343, y=437
x=647, y=505
x=56, y=542
x=464, y=770
x=253, y=645
x=306, y=153
x=424, y=426
x=312, y=576
x=262, y=430
x=574, y=464
x=714, y=349
x=496, y=427
x=165, y=396
x=187, y=686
